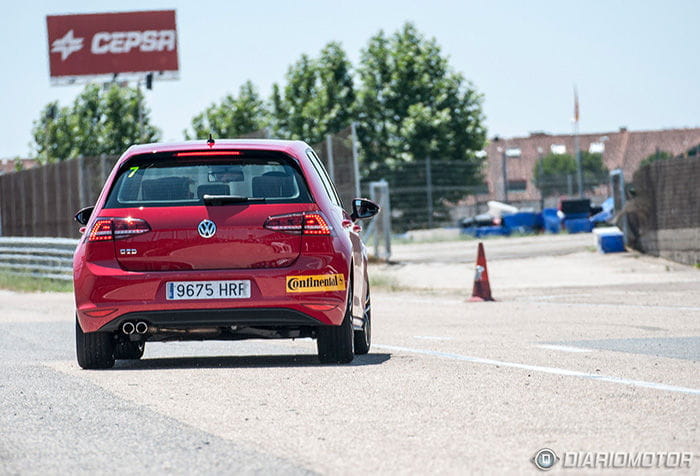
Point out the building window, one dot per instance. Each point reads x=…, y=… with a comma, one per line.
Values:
x=517, y=185
x=596, y=147
x=558, y=149
x=513, y=152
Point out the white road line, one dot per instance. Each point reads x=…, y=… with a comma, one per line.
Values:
x=615, y=305
x=547, y=370
x=563, y=348
x=536, y=300
x=433, y=338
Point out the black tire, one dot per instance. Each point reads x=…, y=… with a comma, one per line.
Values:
x=334, y=343
x=363, y=337
x=128, y=350
x=95, y=350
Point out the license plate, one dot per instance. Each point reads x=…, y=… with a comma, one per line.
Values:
x=178, y=290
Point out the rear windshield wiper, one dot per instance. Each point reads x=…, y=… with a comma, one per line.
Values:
x=216, y=200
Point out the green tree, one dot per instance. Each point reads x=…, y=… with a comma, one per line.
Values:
x=411, y=104
x=233, y=117
x=658, y=155
x=98, y=122
x=554, y=173
x=318, y=97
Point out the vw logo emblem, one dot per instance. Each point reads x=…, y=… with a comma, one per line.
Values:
x=206, y=228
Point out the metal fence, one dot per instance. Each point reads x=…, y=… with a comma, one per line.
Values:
x=42, y=201
x=38, y=257
x=663, y=217
x=426, y=193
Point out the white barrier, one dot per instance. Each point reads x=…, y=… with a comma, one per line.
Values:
x=40, y=257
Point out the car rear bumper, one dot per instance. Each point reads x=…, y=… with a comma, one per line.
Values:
x=197, y=318
x=107, y=295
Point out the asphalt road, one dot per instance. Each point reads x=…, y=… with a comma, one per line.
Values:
x=449, y=387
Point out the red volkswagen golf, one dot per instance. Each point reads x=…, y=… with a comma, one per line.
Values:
x=226, y=240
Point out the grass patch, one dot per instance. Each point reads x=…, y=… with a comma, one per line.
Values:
x=405, y=240
x=385, y=282
x=30, y=284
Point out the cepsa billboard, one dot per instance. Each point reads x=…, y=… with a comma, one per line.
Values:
x=112, y=43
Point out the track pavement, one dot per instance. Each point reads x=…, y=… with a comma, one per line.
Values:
x=581, y=352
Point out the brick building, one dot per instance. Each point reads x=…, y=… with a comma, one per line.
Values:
x=8, y=165
x=622, y=149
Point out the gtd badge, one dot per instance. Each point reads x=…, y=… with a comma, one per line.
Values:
x=544, y=459
x=206, y=228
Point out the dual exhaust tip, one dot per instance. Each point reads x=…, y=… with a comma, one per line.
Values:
x=129, y=328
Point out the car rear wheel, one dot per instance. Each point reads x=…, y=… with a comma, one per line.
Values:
x=95, y=350
x=334, y=343
x=126, y=349
x=363, y=337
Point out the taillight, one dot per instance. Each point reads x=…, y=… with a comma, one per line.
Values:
x=299, y=223
x=106, y=229
x=101, y=231
x=315, y=224
x=126, y=227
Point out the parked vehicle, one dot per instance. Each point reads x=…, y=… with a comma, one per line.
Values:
x=220, y=240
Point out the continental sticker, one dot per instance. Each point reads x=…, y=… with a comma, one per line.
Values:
x=320, y=282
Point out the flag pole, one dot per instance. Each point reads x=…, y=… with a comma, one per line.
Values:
x=577, y=149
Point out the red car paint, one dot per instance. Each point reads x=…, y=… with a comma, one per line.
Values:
x=110, y=282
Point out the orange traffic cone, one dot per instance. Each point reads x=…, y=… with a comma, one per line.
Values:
x=482, y=288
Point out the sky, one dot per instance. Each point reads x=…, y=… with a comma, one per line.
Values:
x=635, y=63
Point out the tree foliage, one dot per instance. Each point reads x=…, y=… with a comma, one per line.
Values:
x=98, y=122
x=411, y=104
x=553, y=172
x=233, y=117
x=658, y=155
x=317, y=99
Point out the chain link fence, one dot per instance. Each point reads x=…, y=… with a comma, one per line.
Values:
x=428, y=193
x=663, y=217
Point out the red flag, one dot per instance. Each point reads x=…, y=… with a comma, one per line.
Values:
x=575, y=105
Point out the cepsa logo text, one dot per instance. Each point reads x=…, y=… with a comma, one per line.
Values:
x=321, y=282
x=123, y=41
x=117, y=42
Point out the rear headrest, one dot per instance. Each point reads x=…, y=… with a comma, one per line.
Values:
x=166, y=188
x=213, y=189
x=273, y=185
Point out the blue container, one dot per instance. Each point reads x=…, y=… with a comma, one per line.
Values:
x=491, y=231
x=612, y=243
x=578, y=225
x=521, y=221
x=552, y=222
x=610, y=239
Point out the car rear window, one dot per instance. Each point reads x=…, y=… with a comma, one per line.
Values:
x=153, y=181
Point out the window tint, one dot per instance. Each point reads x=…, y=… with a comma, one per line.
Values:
x=325, y=179
x=169, y=181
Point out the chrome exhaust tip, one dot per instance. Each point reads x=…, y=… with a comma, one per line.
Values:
x=128, y=328
x=141, y=327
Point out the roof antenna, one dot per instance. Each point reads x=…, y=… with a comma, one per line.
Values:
x=210, y=141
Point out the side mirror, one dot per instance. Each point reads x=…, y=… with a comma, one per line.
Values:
x=363, y=209
x=83, y=215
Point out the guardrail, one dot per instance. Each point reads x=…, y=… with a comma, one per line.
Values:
x=40, y=257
